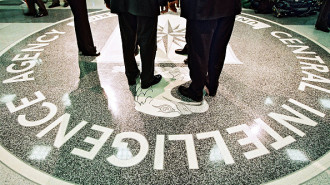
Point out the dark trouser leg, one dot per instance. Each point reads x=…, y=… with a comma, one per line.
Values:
x=322, y=19
x=147, y=40
x=128, y=31
x=219, y=44
x=42, y=8
x=199, y=39
x=82, y=27
x=31, y=5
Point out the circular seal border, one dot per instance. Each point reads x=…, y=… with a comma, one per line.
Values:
x=300, y=176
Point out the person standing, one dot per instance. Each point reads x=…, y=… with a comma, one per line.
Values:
x=83, y=30
x=138, y=26
x=32, y=9
x=322, y=19
x=209, y=27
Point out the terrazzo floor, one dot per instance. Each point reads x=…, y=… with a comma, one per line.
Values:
x=68, y=119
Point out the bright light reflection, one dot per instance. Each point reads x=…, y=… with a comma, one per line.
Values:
x=215, y=155
x=269, y=101
x=7, y=98
x=255, y=129
x=124, y=154
x=112, y=99
x=296, y=155
x=40, y=152
x=66, y=100
x=325, y=103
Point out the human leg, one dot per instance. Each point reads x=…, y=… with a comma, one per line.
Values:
x=82, y=27
x=199, y=39
x=322, y=19
x=42, y=8
x=128, y=29
x=217, y=55
x=147, y=40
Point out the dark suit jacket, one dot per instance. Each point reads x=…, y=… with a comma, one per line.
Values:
x=209, y=9
x=149, y=8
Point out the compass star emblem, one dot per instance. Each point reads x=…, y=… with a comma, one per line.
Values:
x=168, y=35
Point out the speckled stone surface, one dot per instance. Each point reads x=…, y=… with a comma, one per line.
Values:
x=323, y=178
x=15, y=16
x=10, y=177
x=91, y=91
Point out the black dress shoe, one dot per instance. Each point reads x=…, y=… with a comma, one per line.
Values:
x=29, y=14
x=91, y=54
x=54, y=5
x=187, y=93
x=41, y=14
x=322, y=28
x=66, y=4
x=133, y=81
x=210, y=92
x=183, y=51
x=156, y=80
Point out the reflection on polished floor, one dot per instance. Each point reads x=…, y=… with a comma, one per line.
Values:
x=69, y=119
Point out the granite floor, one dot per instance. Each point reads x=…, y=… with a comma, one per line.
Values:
x=69, y=119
